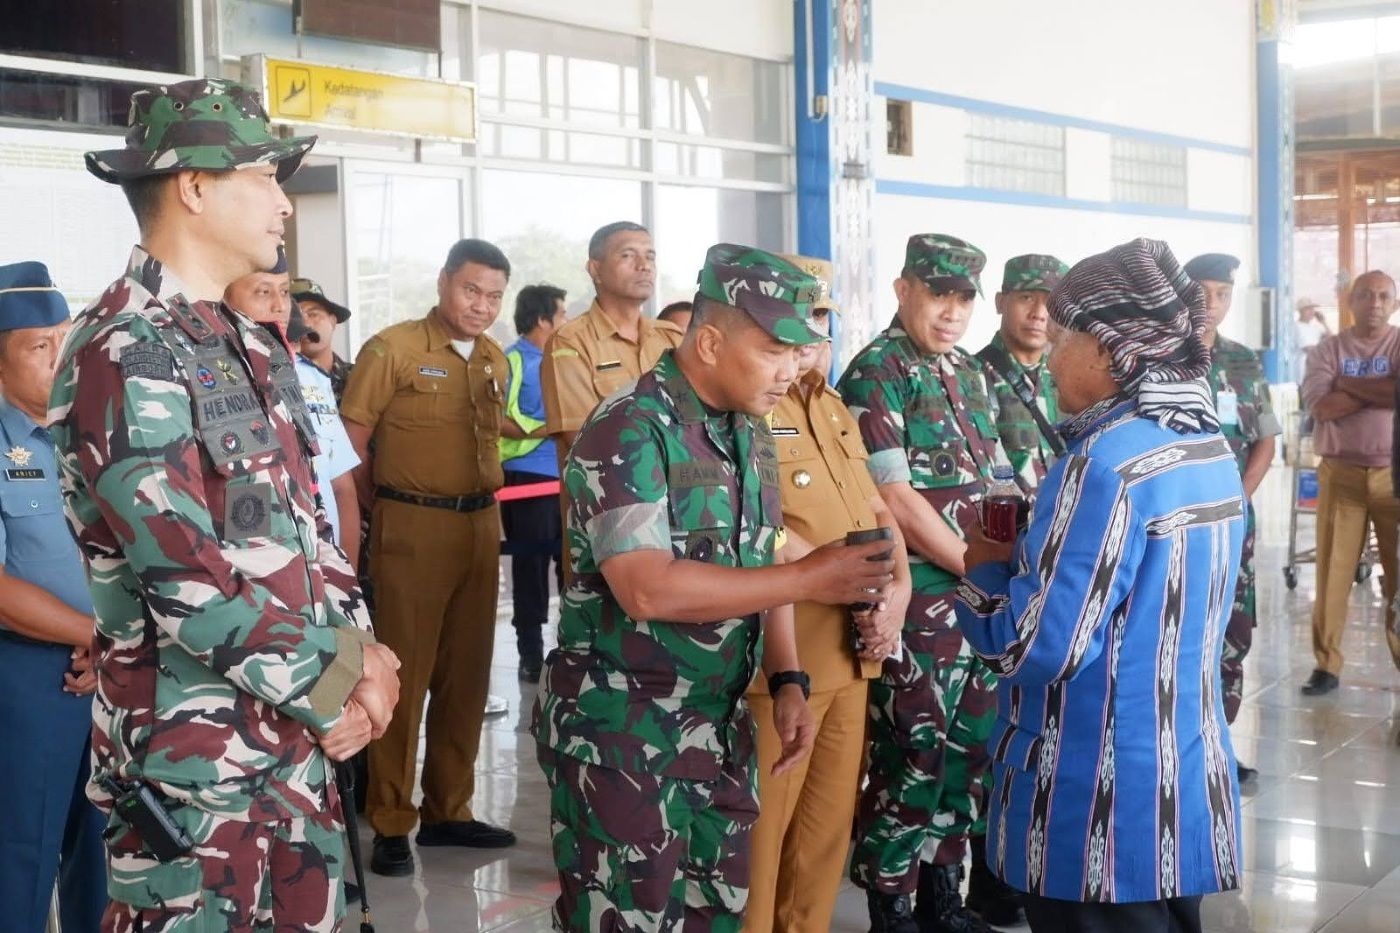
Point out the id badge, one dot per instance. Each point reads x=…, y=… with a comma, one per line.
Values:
x=1227, y=408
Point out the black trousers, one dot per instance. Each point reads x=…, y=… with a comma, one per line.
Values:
x=533, y=534
x=1174, y=915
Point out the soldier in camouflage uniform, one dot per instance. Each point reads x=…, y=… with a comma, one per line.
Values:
x=1247, y=421
x=1018, y=352
x=644, y=735
x=928, y=418
x=234, y=658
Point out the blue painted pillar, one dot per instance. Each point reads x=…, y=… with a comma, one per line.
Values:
x=836, y=123
x=1275, y=20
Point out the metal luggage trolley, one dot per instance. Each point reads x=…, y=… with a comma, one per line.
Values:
x=1304, y=506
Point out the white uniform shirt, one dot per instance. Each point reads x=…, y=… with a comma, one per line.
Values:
x=337, y=456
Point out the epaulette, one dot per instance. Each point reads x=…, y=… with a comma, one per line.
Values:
x=184, y=314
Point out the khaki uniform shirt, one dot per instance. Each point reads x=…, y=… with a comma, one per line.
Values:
x=824, y=480
x=587, y=360
x=436, y=417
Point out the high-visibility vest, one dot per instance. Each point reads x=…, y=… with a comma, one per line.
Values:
x=513, y=447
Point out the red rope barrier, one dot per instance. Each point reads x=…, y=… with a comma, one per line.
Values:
x=527, y=491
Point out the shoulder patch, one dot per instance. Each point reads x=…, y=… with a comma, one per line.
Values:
x=147, y=361
x=375, y=346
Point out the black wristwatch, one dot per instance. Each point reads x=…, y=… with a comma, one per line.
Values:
x=783, y=678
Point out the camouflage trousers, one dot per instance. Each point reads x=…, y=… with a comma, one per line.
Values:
x=645, y=852
x=275, y=876
x=932, y=711
x=1239, y=631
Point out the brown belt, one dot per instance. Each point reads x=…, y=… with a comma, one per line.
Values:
x=473, y=502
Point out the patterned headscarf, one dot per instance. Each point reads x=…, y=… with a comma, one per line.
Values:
x=1137, y=301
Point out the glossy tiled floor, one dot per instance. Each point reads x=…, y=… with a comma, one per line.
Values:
x=1321, y=826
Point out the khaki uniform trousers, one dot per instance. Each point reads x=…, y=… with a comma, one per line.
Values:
x=1349, y=499
x=798, y=855
x=435, y=576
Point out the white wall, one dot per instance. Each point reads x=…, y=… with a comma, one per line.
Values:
x=1147, y=67
x=1182, y=67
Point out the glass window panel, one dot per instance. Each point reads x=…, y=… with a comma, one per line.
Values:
x=146, y=34
x=543, y=222
x=718, y=163
x=555, y=71
x=251, y=27
x=30, y=95
x=1015, y=155
x=1149, y=173
x=404, y=226
x=705, y=93
x=689, y=220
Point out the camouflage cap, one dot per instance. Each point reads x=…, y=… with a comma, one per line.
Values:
x=207, y=123
x=823, y=271
x=1033, y=272
x=771, y=290
x=944, y=262
x=307, y=290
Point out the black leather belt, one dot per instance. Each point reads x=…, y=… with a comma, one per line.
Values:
x=470, y=503
x=17, y=638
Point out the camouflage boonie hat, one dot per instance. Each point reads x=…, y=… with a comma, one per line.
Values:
x=824, y=272
x=307, y=290
x=208, y=123
x=1033, y=272
x=771, y=290
x=944, y=262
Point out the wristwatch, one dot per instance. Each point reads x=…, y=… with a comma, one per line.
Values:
x=783, y=678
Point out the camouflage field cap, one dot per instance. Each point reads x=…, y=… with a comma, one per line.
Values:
x=206, y=123
x=823, y=271
x=771, y=290
x=1033, y=272
x=944, y=262
x=307, y=290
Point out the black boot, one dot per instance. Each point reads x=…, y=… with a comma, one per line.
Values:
x=995, y=900
x=890, y=913
x=940, y=908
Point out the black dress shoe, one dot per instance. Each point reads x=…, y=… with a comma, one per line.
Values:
x=1245, y=773
x=391, y=857
x=1320, y=683
x=890, y=913
x=473, y=834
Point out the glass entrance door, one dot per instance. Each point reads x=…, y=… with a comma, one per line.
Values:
x=402, y=220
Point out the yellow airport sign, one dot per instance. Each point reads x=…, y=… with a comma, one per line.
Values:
x=367, y=101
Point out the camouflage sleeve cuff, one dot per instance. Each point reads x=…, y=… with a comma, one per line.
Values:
x=889, y=466
x=339, y=678
x=643, y=526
